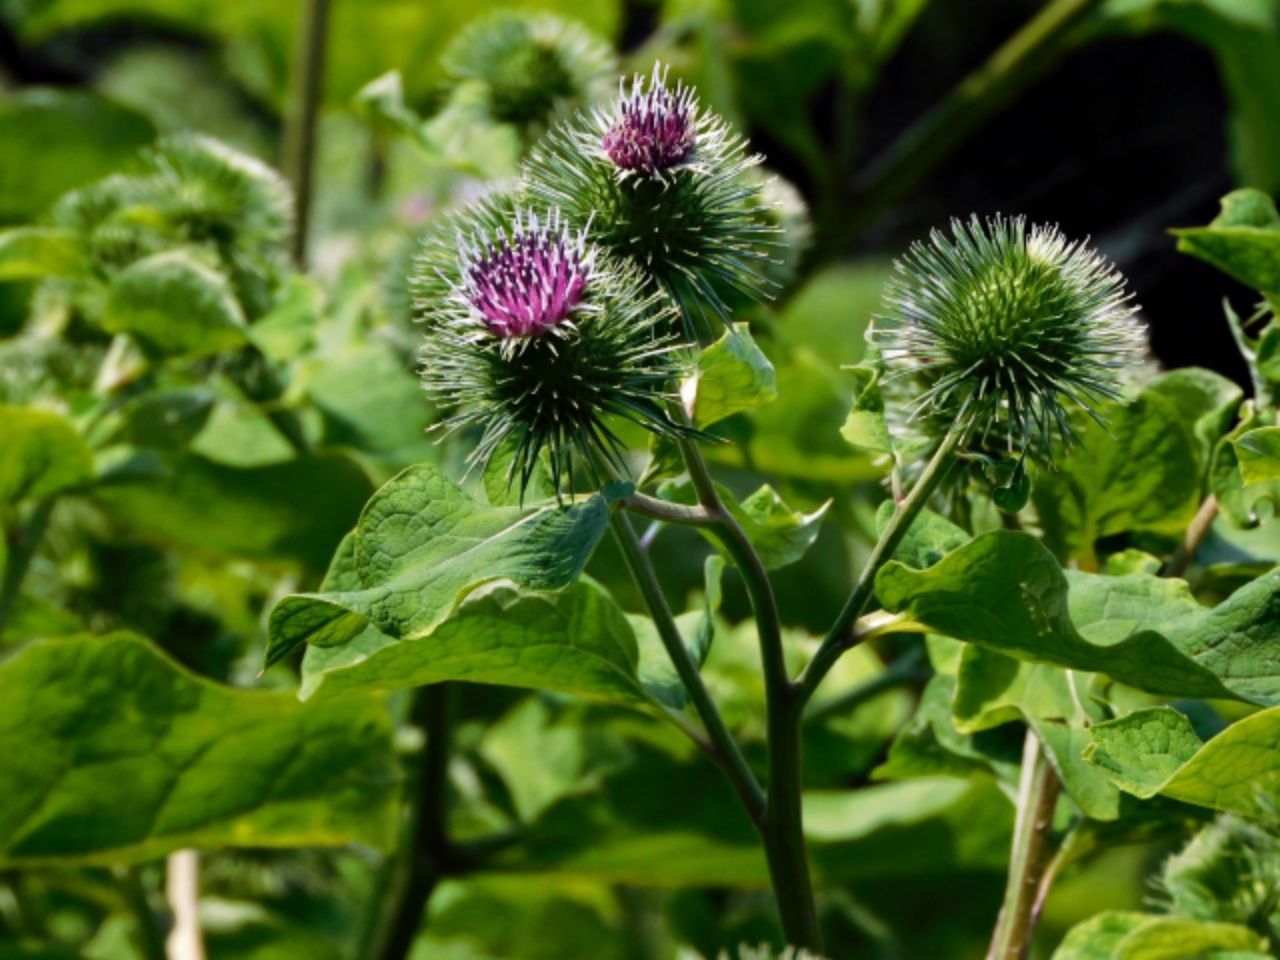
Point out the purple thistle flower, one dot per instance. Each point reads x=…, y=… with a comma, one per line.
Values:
x=654, y=128
x=528, y=283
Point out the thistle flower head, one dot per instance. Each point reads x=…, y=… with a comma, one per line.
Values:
x=536, y=340
x=534, y=66
x=524, y=284
x=654, y=129
x=1002, y=328
x=662, y=183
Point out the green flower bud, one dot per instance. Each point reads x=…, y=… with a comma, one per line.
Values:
x=1002, y=328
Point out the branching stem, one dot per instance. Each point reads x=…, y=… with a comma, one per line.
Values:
x=723, y=748
x=841, y=636
x=784, y=823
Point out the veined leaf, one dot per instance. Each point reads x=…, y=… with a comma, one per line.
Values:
x=40, y=454
x=1005, y=591
x=575, y=642
x=115, y=753
x=422, y=545
x=1156, y=751
x=1140, y=472
x=1243, y=240
x=174, y=304
x=1120, y=935
x=1258, y=453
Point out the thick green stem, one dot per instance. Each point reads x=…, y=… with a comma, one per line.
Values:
x=425, y=854
x=784, y=822
x=1031, y=854
x=722, y=747
x=840, y=637
x=304, y=110
x=21, y=551
x=1025, y=56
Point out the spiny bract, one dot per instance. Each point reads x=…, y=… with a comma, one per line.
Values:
x=662, y=183
x=539, y=339
x=1001, y=328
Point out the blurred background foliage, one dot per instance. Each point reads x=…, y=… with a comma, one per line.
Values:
x=1119, y=119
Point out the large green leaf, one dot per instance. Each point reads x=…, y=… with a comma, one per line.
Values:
x=1005, y=591
x=115, y=753
x=1156, y=751
x=994, y=689
x=422, y=545
x=175, y=304
x=55, y=140
x=1119, y=935
x=577, y=642
x=732, y=376
x=1139, y=470
x=40, y=454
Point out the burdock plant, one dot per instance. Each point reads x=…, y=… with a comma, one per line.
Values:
x=661, y=182
x=540, y=340
x=550, y=314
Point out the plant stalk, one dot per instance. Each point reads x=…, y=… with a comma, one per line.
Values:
x=840, y=637
x=784, y=822
x=425, y=853
x=1199, y=528
x=1031, y=855
x=724, y=749
x=22, y=549
x=304, y=110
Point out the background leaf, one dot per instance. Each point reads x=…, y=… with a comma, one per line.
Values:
x=207, y=766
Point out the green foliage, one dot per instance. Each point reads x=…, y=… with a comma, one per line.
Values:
x=1137, y=469
x=1005, y=591
x=193, y=429
x=41, y=454
x=732, y=376
x=58, y=140
x=173, y=304
x=84, y=715
x=1156, y=751
x=422, y=545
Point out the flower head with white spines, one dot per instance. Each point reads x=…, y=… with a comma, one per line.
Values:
x=537, y=338
x=1003, y=328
